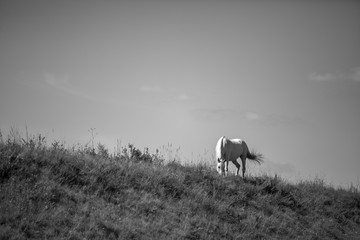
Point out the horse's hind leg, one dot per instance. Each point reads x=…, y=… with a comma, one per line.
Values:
x=243, y=160
x=237, y=166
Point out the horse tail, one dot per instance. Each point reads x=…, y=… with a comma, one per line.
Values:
x=257, y=157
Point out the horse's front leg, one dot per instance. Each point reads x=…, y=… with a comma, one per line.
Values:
x=226, y=167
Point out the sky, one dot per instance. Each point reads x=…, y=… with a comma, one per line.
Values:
x=282, y=75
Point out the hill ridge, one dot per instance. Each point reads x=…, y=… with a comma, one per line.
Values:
x=53, y=192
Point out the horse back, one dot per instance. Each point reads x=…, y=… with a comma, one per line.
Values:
x=238, y=148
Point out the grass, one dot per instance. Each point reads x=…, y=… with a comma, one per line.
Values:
x=50, y=192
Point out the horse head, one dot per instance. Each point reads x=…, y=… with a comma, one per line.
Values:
x=221, y=166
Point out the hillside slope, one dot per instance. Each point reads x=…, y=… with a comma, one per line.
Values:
x=50, y=192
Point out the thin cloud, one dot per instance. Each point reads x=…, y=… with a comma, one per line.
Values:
x=272, y=119
x=219, y=113
x=225, y=113
x=252, y=116
x=353, y=75
x=278, y=119
x=323, y=77
x=184, y=97
x=63, y=83
x=166, y=93
x=214, y=114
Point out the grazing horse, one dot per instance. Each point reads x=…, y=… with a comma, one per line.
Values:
x=230, y=150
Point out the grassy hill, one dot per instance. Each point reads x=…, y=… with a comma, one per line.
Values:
x=48, y=191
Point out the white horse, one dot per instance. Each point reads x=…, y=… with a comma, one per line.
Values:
x=230, y=150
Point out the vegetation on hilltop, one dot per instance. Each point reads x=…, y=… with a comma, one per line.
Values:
x=48, y=191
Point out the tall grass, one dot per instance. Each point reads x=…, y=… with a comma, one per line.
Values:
x=48, y=191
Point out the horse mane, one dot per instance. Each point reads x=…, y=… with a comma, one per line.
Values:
x=219, y=147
